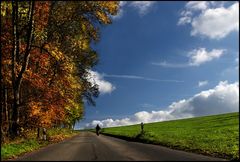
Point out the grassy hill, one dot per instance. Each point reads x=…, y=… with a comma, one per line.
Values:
x=216, y=135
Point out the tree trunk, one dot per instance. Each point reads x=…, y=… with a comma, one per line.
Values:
x=1, y=107
x=38, y=133
x=15, y=113
x=1, y=80
x=6, y=113
x=14, y=51
x=16, y=81
x=9, y=119
x=73, y=124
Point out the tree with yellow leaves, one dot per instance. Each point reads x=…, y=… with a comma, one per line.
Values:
x=45, y=56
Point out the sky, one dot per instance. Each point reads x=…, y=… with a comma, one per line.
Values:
x=165, y=61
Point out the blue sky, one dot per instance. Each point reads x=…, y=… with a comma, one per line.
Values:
x=163, y=60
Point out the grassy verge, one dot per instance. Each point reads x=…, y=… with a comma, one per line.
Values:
x=19, y=146
x=216, y=135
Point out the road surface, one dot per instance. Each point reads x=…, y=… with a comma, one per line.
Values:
x=88, y=147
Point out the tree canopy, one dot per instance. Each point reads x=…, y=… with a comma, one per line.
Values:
x=45, y=57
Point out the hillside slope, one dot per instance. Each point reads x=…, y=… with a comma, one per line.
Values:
x=216, y=135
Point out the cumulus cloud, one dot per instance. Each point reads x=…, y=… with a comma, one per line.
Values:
x=196, y=58
x=210, y=19
x=197, y=5
x=200, y=56
x=104, y=86
x=137, y=118
x=223, y=98
x=202, y=83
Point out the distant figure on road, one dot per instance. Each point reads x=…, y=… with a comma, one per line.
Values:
x=142, y=127
x=44, y=134
x=98, y=129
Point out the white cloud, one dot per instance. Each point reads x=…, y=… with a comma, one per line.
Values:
x=184, y=20
x=213, y=21
x=217, y=23
x=104, y=86
x=141, y=78
x=223, y=98
x=137, y=118
x=202, y=83
x=197, y=5
x=186, y=17
x=142, y=6
x=169, y=65
x=196, y=58
x=200, y=56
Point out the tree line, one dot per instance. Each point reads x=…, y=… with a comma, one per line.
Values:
x=45, y=57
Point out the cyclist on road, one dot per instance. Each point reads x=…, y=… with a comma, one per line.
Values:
x=98, y=129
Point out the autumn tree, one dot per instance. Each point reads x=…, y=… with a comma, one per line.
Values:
x=45, y=57
x=73, y=28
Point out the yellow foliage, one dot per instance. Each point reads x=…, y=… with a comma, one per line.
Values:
x=110, y=6
x=103, y=17
x=55, y=52
x=56, y=92
x=4, y=7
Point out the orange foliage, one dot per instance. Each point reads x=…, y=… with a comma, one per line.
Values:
x=51, y=90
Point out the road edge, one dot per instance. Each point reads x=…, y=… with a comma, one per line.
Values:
x=38, y=149
x=169, y=146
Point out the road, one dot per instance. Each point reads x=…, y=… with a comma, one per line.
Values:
x=88, y=147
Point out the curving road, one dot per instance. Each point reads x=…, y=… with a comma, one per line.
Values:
x=88, y=147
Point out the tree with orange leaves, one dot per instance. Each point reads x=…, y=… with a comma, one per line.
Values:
x=45, y=56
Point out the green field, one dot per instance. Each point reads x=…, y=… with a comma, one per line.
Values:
x=216, y=135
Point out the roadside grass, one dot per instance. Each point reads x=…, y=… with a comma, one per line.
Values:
x=216, y=135
x=12, y=150
x=21, y=145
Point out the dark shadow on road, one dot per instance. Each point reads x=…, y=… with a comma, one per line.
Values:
x=141, y=138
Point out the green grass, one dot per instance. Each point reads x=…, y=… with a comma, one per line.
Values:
x=12, y=150
x=20, y=146
x=216, y=135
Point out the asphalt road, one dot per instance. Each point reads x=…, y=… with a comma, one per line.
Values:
x=88, y=147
